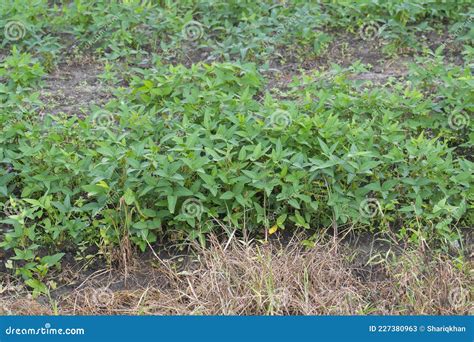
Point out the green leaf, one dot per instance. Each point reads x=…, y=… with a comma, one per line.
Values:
x=172, y=203
x=52, y=260
x=140, y=225
x=129, y=197
x=227, y=195
x=37, y=286
x=300, y=221
x=281, y=220
x=294, y=203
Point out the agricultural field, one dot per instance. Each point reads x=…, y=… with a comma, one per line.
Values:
x=236, y=157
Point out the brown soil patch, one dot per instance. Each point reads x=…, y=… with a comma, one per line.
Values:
x=73, y=87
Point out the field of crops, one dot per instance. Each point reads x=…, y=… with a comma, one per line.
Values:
x=178, y=138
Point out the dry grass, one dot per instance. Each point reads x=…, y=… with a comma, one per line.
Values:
x=421, y=285
x=253, y=279
x=248, y=280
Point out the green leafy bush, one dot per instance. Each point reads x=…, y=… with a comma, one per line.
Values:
x=224, y=30
x=206, y=143
x=183, y=151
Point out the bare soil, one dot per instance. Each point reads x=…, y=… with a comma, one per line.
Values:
x=72, y=87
